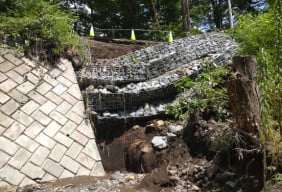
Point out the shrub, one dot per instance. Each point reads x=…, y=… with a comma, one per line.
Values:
x=211, y=95
x=38, y=27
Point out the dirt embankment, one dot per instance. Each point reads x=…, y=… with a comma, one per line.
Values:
x=115, y=48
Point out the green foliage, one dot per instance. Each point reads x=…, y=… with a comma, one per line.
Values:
x=278, y=179
x=275, y=180
x=261, y=35
x=211, y=94
x=38, y=27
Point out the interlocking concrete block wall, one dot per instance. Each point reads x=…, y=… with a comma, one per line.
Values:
x=43, y=131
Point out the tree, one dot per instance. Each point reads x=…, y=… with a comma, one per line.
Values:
x=210, y=14
x=185, y=15
x=155, y=14
x=230, y=14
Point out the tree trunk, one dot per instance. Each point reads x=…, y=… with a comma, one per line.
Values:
x=243, y=93
x=217, y=13
x=185, y=15
x=230, y=14
x=155, y=14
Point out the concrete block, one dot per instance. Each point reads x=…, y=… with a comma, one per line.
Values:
x=13, y=59
x=91, y=150
x=68, y=128
x=11, y=175
x=57, y=152
x=3, y=98
x=4, y=158
x=43, y=88
x=6, y=66
x=39, y=155
x=23, y=69
x=15, y=76
x=58, y=117
x=50, y=80
x=45, y=141
x=21, y=117
x=79, y=108
x=34, y=129
x=8, y=85
x=53, y=168
x=98, y=170
x=40, y=117
x=20, y=158
x=70, y=164
x=18, y=96
x=74, y=150
x=10, y=107
x=66, y=174
x=64, y=81
x=27, y=181
x=74, y=117
x=67, y=97
x=85, y=160
x=86, y=129
x=48, y=177
x=79, y=137
x=52, y=129
x=26, y=87
x=27, y=143
x=37, y=97
x=14, y=131
x=64, y=107
x=29, y=107
x=54, y=98
x=48, y=107
x=33, y=171
x=83, y=171
x=59, y=89
x=7, y=146
x=75, y=91
x=63, y=139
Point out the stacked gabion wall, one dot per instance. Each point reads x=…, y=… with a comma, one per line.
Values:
x=154, y=61
x=139, y=84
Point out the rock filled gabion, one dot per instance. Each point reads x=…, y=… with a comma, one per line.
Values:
x=152, y=62
x=140, y=83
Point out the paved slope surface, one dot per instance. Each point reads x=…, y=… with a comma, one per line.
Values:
x=43, y=132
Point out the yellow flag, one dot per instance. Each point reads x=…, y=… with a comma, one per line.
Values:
x=91, y=33
x=132, y=37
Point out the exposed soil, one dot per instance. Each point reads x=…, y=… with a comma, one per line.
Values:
x=132, y=163
x=115, y=48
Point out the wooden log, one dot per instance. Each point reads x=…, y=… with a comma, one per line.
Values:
x=243, y=93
